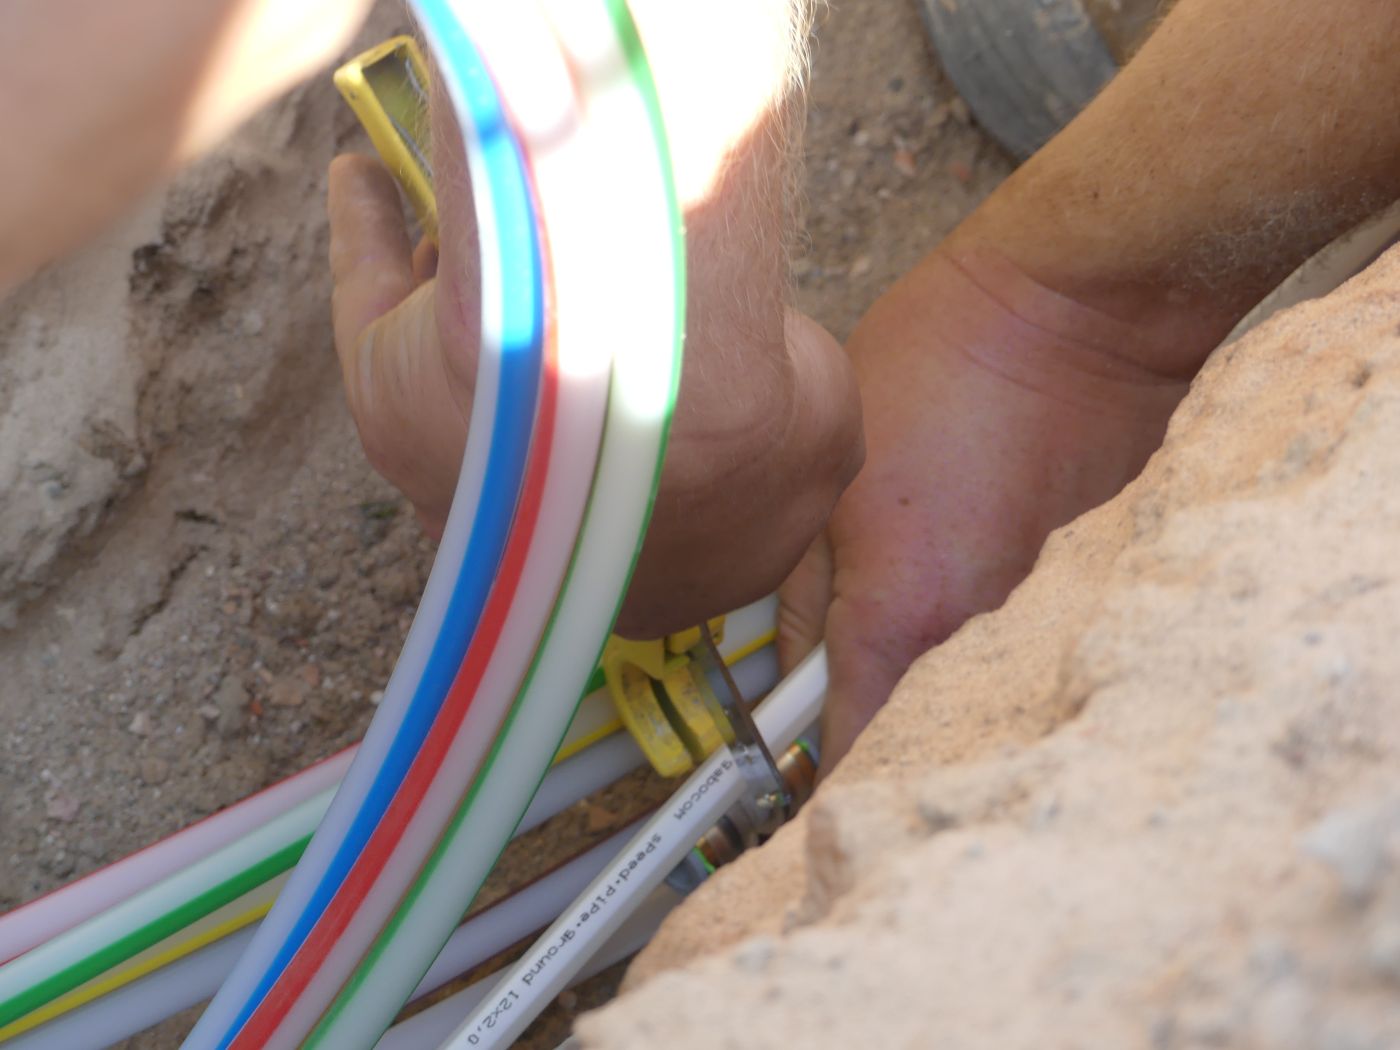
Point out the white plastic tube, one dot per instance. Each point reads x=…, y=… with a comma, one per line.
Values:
x=150, y=1000
x=430, y=1027
x=567, y=783
x=137, y=1006
x=523, y=913
x=587, y=771
x=653, y=852
x=79, y=943
x=45, y=918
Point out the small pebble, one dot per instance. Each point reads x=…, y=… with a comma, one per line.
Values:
x=287, y=691
x=396, y=585
x=231, y=699
x=62, y=807
x=598, y=818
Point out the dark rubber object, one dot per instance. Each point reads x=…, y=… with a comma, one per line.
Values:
x=1024, y=67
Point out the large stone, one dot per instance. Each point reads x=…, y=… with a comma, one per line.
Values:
x=1153, y=801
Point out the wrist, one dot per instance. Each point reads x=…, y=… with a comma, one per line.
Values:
x=1069, y=236
x=996, y=411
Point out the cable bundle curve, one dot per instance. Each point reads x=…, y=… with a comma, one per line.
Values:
x=577, y=377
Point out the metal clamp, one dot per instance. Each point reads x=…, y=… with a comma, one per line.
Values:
x=768, y=802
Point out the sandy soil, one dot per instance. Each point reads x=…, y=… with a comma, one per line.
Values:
x=202, y=585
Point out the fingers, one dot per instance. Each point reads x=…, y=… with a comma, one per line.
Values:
x=409, y=406
x=371, y=258
x=866, y=653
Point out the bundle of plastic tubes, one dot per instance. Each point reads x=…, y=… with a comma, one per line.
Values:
x=577, y=374
x=136, y=922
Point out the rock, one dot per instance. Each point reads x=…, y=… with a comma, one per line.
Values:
x=140, y=724
x=1151, y=801
x=62, y=806
x=61, y=864
x=397, y=585
x=154, y=771
x=231, y=700
x=297, y=615
x=288, y=691
x=68, y=433
x=598, y=817
x=755, y=955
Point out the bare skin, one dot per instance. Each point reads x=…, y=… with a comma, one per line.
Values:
x=1025, y=370
x=767, y=430
x=101, y=100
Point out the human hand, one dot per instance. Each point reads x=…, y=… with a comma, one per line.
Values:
x=995, y=411
x=767, y=428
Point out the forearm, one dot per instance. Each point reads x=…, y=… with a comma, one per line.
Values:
x=1243, y=137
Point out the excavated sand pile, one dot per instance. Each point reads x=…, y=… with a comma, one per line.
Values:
x=1154, y=801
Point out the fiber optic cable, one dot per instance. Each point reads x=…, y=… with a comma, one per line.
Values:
x=620, y=111
x=639, y=402
x=165, y=992
x=501, y=420
x=44, y=918
x=159, y=915
x=576, y=777
x=568, y=782
x=747, y=630
x=555, y=491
